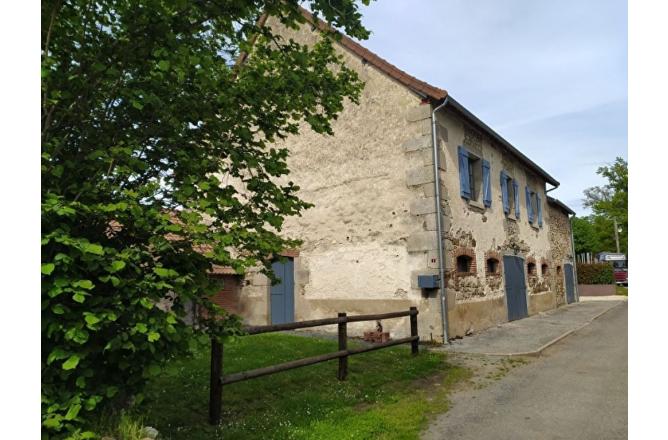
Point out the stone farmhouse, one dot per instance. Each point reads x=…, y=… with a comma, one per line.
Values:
x=417, y=203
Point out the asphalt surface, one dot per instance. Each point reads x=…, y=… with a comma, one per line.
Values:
x=576, y=390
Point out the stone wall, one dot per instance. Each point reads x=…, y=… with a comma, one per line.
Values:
x=372, y=229
x=560, y=244
x=488, y=233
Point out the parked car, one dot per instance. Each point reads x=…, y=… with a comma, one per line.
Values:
x=619, y=264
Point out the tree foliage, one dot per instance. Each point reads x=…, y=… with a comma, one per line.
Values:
x=608, y=203
x=157, y=162
x=596, y=232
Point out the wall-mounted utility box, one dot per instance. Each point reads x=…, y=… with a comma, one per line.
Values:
x=428, y=281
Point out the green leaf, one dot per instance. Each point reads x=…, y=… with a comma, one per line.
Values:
x=73, y=412
x=117, y=265
x=141, y=327
x=111, y=391
x=163, y=65
x=47, y=268
x=58, y=309
x=52, y=422
x=153, y=336
x=71, y=363
x=56, y=355
x=147, y=303
x=78, y=335
x=163, y=272
x=79, y=297
x=84, y=284
x=92, y=248
x=92, y=402
x=91, y=319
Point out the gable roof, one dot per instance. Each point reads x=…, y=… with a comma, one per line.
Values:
x=423, y=89
x=409, y=81
x=561, y=205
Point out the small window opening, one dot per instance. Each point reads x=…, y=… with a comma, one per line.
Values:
x=544, y=269
x=558, y=270
x=464, y=264
x=531, y=269
x=492, y=266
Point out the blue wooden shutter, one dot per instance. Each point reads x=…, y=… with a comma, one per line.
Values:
x=516, y=194
x=539, y=208
x=486, y=184
x=464, y=183
x=529, y=207
x=504, y=193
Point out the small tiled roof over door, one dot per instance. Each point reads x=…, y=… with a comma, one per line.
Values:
x=228, y=296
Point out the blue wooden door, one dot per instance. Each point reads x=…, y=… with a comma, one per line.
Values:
x=516, y=290
x=570, y=283
x=282, y=294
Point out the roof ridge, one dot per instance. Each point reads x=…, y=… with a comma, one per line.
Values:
x=413, y=83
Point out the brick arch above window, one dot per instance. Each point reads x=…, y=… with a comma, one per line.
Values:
x=531, y=267
x=493, y=263
x=545, y=267
x=461, y=254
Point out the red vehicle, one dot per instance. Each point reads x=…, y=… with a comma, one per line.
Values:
x=619, y=264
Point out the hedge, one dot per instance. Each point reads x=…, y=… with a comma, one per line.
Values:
x=597, y=273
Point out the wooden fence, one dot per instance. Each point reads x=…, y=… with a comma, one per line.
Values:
x=218, y=380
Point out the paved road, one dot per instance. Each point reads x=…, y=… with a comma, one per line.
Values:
x=576, y=390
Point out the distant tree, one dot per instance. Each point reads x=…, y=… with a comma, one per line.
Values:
x=158, y=161
x=609, y=203
x=583, y=235
x=604, y=233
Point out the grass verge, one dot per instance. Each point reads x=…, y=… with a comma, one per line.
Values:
x=621, y=290
x=389, y=394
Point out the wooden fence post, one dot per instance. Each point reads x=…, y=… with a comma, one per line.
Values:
x=343, y=345
x=216, y=384
x=414, y=330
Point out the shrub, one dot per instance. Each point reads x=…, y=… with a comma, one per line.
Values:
x=597, y=273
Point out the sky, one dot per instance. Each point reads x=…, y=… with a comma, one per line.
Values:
x=548, y=76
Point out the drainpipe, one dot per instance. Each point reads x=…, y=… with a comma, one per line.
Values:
x=439, y=223
x=575, y=266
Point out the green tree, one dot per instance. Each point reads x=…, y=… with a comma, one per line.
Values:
x=609, y=203
x=583, y=236
x=157, y=162
x=594, y=234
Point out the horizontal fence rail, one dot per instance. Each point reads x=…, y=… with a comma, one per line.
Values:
x=255, y=330
x=218, y=380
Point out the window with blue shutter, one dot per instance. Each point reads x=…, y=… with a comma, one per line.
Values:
x=464, y=173
x=539, y=211
x=504, y=193
x=516, y=195
x=529, y=207
x=486, y=184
